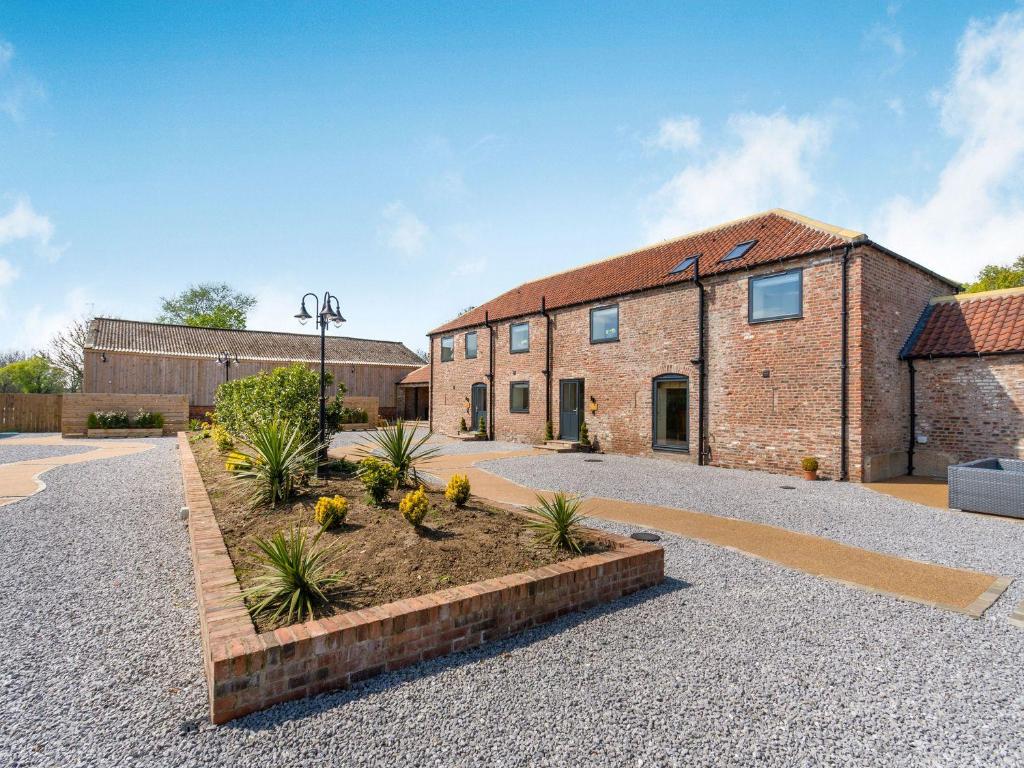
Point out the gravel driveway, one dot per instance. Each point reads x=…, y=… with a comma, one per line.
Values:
x=846, y=512
x=11, y=450
x=733, y=661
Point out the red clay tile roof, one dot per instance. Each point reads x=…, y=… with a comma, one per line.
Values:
x=779, y=234
x=419, y=376
x=970, y=324
x=113, y=335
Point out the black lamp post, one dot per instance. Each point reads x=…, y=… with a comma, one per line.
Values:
x=227, y=360
x=327, y=311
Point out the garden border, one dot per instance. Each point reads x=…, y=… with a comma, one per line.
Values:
x=246, y=671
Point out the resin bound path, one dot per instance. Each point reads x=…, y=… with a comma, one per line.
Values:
x=20, y=479
x=956, y=589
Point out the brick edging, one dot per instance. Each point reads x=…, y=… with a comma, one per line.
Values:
x=246, y=671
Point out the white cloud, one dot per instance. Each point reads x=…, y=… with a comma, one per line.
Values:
x=17, y=89
x=895, y=105
x=402, y=229
x=23, y=222
x=676, y=134
x=8, y=273
x=768, y=164
x=975, y=215
x=41, y=322
x=888, y=37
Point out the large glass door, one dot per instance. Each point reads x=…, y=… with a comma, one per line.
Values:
x=671, y=406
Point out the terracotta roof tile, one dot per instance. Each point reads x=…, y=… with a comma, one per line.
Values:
x=779, y=234
x=968, y=324
x=419, y=376
x=113, y=335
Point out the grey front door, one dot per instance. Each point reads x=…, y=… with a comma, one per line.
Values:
x=479, y=406
x=570, y=408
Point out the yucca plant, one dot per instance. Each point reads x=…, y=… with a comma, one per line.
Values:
x=294, y=579
x=398, y=446
x=277, y=458
x=559, y=522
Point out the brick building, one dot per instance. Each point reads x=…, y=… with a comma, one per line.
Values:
x=750, y=344
x=966, y=365
x=132, y=357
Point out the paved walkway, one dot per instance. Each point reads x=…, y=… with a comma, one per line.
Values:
x=955, y=589
x=930, y=491
x=20, y=479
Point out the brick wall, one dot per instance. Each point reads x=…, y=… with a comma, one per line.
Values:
x=450, y=390
x=891, y=296
x=968, y=408
x=77, y=406
x=774, y=388
x=247, y=671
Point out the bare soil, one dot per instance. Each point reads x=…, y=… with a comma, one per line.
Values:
x=383, y=557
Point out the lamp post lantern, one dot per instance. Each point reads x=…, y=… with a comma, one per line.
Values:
x=327, y=311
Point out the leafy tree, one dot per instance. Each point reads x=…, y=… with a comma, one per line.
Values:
x=995, y=276
x=35, y=375
x=67, y=353
x=12, y=356
x=212, y=305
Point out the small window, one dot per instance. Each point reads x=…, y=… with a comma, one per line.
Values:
x=738, y=250
x=775, y=297
x=447, y=349
x=604, y=324
x=685, y=264
x=519, y=397
x=519, y=337
x=471, y=345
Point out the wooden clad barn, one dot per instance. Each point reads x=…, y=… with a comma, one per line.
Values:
x=131, y=357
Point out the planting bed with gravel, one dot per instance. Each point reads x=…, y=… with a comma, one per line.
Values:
x=11, y=451
x=446, y=446
x=846, y=512
x=732, y=661
x=383, y=557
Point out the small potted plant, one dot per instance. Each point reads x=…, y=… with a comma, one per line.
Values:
x=462, y=424
x=809, y=464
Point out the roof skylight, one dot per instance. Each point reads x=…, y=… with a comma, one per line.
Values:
x=739, y=250
x=684, y=265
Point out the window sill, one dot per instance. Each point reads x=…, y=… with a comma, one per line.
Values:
x=775, y=319
x=671, y=448
x=604, y=341
x=518, y=351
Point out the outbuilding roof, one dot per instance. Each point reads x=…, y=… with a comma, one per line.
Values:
x=114, y=335
x=419, y=376
x=770, y=236
x=986, y=323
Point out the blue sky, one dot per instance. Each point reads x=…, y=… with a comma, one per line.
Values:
x=416, y=159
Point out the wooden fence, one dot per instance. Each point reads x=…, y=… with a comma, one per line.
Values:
x=30, y=413
x=78, y=406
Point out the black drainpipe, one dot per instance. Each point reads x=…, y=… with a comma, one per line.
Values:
x=430, y=392
x=490, y=374
x=843, y=372
x=701, y=363
x=547, y=363
x=913, y=418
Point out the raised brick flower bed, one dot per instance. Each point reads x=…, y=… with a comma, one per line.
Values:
x=247, y=671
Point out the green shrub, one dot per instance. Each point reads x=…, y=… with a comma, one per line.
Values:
x=330, y=511
x=457, y=490
x=558, y=523
x=348, y=415
x=549, y=433
x=481, y=428
x=279, y=457
x=148, y=420
x=294, y=579
x=399, y=447
x=194, y=425
x=809, y=464
x=108, y=420
x=414, y=506
x=378, y=478
x=584, y=435
x=462, y=425
x=291, y=393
